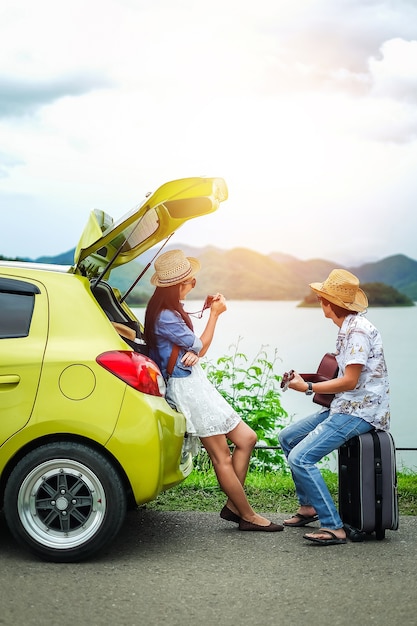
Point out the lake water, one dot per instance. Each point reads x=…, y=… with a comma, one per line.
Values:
x=302, y=335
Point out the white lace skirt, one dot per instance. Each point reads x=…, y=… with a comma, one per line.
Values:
x=206, y=411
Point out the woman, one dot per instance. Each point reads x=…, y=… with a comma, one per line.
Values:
x=361, y=403
x=207, y=413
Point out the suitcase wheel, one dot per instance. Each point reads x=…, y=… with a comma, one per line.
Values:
x=354, y=534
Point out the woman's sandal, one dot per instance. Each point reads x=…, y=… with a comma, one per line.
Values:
x=229, y=515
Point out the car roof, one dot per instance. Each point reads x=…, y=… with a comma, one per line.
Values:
x=31, y=265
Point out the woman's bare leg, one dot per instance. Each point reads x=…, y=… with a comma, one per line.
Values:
x=244, y=440
x=218, y=450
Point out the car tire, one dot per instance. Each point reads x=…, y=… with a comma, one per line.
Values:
x=64, y=502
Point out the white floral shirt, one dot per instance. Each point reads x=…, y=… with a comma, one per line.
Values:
x=359, y=342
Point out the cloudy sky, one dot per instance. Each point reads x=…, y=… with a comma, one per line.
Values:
x=307, y=108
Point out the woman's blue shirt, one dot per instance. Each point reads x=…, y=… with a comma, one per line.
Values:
x=170, y=329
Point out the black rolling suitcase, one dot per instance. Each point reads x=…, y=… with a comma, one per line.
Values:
x=368, y=499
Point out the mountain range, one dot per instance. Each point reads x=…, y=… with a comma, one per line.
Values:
x=243, y=274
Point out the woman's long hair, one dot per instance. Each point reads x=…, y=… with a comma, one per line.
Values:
x=163, y=298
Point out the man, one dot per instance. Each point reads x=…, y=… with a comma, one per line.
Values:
x=361, y=403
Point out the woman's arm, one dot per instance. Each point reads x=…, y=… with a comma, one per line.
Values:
x=218, y=306
x=174, y=328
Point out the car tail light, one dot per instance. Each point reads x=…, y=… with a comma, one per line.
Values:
x=135, y=369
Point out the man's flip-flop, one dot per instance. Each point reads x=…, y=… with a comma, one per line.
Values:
x=332, y=541
x=303, y=520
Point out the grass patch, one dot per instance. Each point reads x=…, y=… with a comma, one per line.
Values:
x=268, y=492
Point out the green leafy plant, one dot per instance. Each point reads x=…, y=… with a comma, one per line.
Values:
x=252, y=389
x=267, y=491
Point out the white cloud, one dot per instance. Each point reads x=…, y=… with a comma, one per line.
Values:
x=306, y=108
x=394, y=75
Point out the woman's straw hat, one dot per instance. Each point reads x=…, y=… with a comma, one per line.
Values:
x=173, y=268
x=342, y=288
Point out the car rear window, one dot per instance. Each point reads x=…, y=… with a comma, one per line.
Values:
x=17, y=300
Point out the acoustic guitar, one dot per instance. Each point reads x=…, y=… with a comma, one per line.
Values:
x=326, y=370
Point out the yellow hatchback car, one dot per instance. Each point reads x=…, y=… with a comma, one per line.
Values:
x=85, y=430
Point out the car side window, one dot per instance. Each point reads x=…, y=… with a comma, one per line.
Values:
x=17, y=300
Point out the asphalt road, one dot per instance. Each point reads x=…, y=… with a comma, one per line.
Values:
x=183, y=569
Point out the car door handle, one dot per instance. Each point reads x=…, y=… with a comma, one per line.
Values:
x=11, y=379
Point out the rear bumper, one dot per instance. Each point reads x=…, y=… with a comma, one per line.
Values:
x=149, y=444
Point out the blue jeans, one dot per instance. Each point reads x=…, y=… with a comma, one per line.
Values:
x=305, y=443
